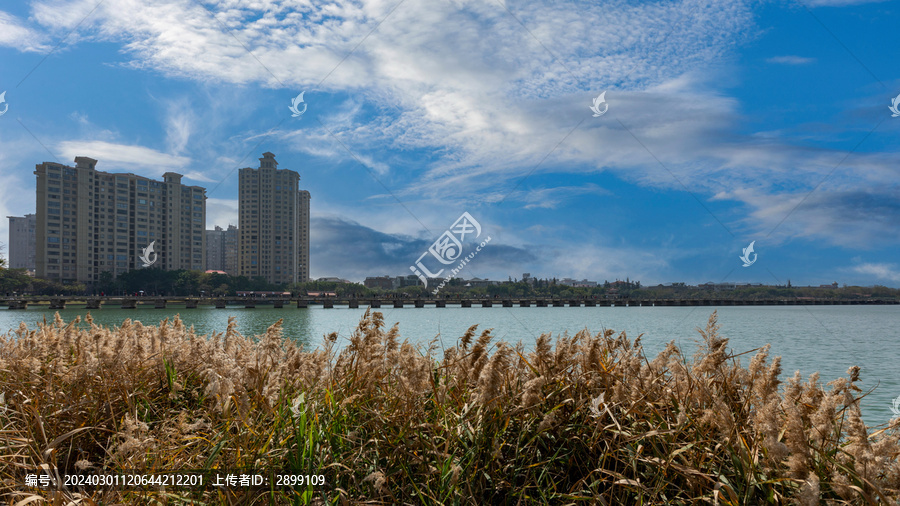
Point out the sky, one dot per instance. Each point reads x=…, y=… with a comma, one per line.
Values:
x=723, y=123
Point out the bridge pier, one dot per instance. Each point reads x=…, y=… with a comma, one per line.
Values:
x=420, y=303
x=485, y=303
x=541, y=303
x=128, y=304
x=353, y=304
x=507, y=303
x=524, y=303
x=160, y=304
x=220, y=303
x=375, y=304
x=440, y=303
x=17, y=304
x=398, y=303
x=302, y=304
x=558, y=303
x=92, y=304
x=190, y=304
x=465, y=303
x=248, y=304
x=574, y=303
x=328, y=304
x=57, y=304
x=278, y=303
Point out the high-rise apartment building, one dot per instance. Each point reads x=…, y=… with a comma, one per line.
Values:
x=221, y=249
x=273, y=226
x=89, y=222
x=22, y=241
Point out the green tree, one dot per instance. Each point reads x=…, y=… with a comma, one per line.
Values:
x=106, y=283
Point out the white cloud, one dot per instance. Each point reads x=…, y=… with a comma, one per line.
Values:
x=179, y=125
x=221, y=212
x=550, y=198
x=838, y=3
x=880, y=271
x=13, y=33
x=124, y=158
x=791, y=60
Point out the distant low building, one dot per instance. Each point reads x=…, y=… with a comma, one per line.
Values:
x=379, y=282
x=478, y=282
x=718, y=287
x=408, y=280
x=575, y=283
x=333, y=280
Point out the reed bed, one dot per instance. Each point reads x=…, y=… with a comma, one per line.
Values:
x=580, y=419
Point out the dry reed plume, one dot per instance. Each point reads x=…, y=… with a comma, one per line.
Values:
x=588, y=419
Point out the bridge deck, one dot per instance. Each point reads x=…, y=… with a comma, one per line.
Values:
x=330, y=302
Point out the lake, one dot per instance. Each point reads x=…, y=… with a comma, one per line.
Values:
x=828, y=339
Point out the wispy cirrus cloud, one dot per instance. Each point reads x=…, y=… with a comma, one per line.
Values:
x=791, y=60
x=14, y=33
x=839, y=3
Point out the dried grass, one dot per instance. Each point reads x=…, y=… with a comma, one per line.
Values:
x=589, y=420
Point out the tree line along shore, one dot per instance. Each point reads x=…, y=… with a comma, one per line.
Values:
x=181, y=283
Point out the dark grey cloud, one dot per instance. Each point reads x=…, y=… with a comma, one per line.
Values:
x=344, y=248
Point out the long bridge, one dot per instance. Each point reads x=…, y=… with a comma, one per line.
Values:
x=130, y=302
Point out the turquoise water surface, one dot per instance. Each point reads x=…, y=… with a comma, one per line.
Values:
x=828, y=339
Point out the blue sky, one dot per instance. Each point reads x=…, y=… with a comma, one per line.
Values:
x=728, y=122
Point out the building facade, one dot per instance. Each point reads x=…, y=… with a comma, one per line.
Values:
x=221, y=249
x=22, y=241
x=89, y=222
x=380, y=282
x=304, y=236
x=273, y=225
